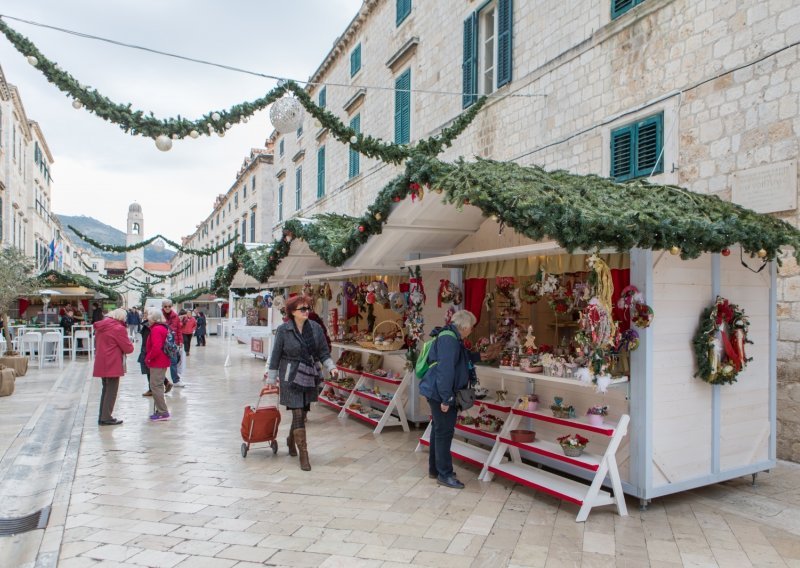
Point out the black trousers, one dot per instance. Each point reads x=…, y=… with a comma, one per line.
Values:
x=108, y=397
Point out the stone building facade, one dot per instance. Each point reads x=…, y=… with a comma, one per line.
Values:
x=244, y=211
x=699, y=94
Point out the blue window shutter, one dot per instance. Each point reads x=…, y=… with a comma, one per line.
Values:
x=354, y=166
x=402, y=108
x=253, y=226
x=649, y=141
x=298, y=188
x=505, y=41
x=403, y=10
x=280, y=147
x=280, y=202
x=622, y=153
x=619, y=7
x=321, y=172
x=469, y=68
x=355, y=60
x=323, y=97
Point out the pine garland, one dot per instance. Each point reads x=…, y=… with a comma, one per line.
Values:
x=139, y=269
x=189, y=296
x=137, y=122
x=56, y=278
x=208, y=251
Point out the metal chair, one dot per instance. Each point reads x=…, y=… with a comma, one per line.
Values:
x=52, y=348
x=82, y=334
x=30, y=344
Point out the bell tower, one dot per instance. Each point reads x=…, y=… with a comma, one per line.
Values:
x=135, y=235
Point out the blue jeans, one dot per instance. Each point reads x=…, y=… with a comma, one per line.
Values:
x=173, y=371
x=442, y=429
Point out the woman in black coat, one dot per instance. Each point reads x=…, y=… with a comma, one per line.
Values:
x=298, y=342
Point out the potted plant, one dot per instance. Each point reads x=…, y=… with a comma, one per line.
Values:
x=573, y=444
x=596, y=414
x=17, y=278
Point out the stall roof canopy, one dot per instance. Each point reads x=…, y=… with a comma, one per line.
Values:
x=53, y=278
x=584, y=212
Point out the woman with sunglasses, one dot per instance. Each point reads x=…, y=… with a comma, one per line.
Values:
x=298, y=350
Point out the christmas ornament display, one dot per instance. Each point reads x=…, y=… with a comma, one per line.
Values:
x=719, y=343
x=164, y=143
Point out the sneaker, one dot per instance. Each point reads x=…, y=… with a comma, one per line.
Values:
x=167, y=386
x=148, y=393
x=159, y=417
x=180, y=384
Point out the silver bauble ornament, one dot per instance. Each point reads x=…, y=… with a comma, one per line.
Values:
x=353, y=139
x=215, y=116
x=163, y=143
x=286, y=114
x=228, y=125
x=76, y=104
x=32, y=60
x=194, y=134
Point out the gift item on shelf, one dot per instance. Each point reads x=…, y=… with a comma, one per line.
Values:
x=374, y=361
x=560, y=410
x=573, y=444
x=349, y=360
x=596, y=414
x=523, y=436
x=528, y=402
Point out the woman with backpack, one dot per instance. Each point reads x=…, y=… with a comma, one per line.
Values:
x=450, y=370
x=157, y=362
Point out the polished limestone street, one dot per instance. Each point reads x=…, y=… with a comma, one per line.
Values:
x=179, y=493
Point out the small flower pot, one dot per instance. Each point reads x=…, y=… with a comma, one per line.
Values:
x=523, y=436
x=532, y=406
x=572, y=451
x=596, y=419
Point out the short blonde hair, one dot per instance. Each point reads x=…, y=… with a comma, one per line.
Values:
x=119, y=314
x=463, y=319
x=155, y=316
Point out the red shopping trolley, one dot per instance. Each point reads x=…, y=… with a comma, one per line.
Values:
x=260, y=423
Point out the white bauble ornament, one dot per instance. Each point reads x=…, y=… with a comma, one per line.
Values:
x=163, y=143
x=215, y=116
x=194, y=134
x=245, y=119
x=228, y=125
x=32, y=60
x=76, y=104
x=353, y=139
x=286, y=114
x=175, y=136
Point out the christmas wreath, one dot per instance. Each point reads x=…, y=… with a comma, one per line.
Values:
x=449, y=293
x=529, y=292
x=719, y=343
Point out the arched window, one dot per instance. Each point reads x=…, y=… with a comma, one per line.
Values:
x=135, y=229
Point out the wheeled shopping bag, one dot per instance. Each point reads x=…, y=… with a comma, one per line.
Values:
x=260, y=423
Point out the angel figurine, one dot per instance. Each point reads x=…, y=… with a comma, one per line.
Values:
x=530, y=342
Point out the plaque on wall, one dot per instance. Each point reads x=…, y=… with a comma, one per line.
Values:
x=767, y=189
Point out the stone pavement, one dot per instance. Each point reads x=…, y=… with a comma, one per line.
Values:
x=179, y=493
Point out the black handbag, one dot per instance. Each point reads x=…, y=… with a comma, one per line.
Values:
x=465, y=398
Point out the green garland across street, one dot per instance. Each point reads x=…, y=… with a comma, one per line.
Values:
x=55, y=278
x=189, y=296
x=147, y=242
x=139, y=123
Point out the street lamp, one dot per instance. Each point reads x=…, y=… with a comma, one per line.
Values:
x=46, y=295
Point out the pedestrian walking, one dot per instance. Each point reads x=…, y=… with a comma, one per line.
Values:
x=97, y=313
x=188, y=327
x=112, y=344
x=451, y=368
x=173, y=322
x=200, y=332
x=298, y=350
x=134, y=320
x=157, y=362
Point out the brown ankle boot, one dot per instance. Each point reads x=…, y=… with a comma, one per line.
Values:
x=290, y=443
x=300, y=438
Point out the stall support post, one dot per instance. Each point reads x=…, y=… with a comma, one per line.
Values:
x=230, y=328
x=269, y=335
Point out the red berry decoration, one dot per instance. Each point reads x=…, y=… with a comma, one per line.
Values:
x=396, y=199
x=361, y=228
x=726, y=252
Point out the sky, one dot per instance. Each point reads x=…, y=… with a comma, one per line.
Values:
x=99, y=169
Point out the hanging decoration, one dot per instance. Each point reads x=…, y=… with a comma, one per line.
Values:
x=449, y=293
x=286, y=114
x=414, y=320
x=147, y=242
x=397, y=302
x=635, y=309
x=140, y=123
x=719, y=343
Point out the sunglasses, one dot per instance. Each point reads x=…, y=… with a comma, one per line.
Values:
x=303, y=309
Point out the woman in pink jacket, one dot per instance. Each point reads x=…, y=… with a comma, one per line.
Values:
x=112, y=344
x=158, y=362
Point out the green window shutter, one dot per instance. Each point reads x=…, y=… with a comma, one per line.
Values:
x=355, y=60
x=505, y=41
x=323, y=97
x=280, y=202
x=649, y=142
x=280, y=147
x=321, y=172
x=619, y=7
x=469, y=68
x=354, y=166
x=298, y=188
x=402, y=108
x=622, y=153
x=403, y=10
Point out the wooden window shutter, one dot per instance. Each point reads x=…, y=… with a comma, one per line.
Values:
x=402, y=108
x=619, y=7
x=403, y=10
x=321, y=172
x=622, y=153
x=505, y=41
x=354, y=166
x=355, y=60
x=298, y=188
x=469, y=68
x=649, y=141
x=323, y=97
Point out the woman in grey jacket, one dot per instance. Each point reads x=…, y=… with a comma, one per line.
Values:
x=298, y=341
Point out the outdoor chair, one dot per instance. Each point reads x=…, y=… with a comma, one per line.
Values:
x=30, y=345
x=52, y=348
x=82, y=341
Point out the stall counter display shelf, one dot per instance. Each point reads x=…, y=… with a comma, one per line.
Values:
x=363, y=390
